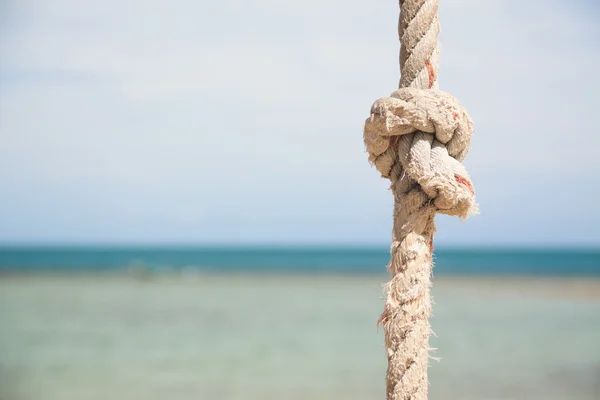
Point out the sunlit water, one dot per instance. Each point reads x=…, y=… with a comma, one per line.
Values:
x=282, y=337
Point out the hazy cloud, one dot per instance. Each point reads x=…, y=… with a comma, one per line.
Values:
x=242, y=120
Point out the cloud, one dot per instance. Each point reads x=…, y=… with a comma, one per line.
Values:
x=254, y=110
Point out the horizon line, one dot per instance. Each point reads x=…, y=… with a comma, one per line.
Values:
x=299, y=245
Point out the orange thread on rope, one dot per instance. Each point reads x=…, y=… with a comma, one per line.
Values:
x=431, y=73
x=464, y=181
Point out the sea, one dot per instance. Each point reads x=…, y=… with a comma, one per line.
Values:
x=448, y=261
x=295, y=323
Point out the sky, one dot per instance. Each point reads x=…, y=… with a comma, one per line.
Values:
x=240, y=121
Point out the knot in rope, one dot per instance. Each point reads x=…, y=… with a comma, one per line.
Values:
x=417, y=138
x=428, y=132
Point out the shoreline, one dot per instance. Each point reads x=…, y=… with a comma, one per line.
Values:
x=545, y=286
x=564, y=287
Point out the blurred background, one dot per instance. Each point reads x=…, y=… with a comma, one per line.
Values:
x=187, y=210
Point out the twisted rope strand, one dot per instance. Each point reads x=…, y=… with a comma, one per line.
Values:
x=417, y=138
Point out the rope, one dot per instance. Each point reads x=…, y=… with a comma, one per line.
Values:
x=417, y=138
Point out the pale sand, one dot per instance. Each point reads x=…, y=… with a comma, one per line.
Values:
x=555, y=287
x=530, y=286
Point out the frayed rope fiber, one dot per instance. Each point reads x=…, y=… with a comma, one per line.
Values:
x=417, y=138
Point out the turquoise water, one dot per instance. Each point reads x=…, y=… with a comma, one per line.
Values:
x=292, y=337
x=549, y=261
x=252, y=334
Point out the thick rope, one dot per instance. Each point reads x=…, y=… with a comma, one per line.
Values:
x=417, y=138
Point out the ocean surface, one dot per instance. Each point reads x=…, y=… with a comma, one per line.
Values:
x=514, y=324
x=548, y=261
x=292, y=337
